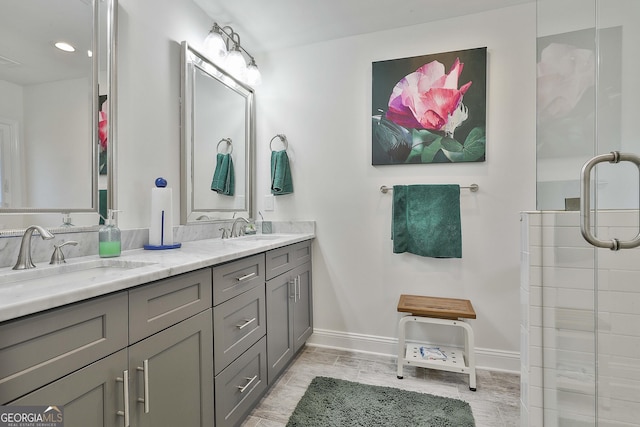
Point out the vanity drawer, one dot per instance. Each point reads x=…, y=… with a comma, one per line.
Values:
x=241, y=385
x=164, y=303
x=237, y=324
x=237, y=277
x=38, y=349
x=284, y=259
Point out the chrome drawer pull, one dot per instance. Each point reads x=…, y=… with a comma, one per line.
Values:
x=251, y=380
x=246, y=323
x=245, y=277
x=145, y=371
x=125, y=386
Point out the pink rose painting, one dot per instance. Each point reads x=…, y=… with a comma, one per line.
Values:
x=429, y=109
x=103, y=136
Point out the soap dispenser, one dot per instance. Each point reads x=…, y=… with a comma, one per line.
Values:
x=109, y=237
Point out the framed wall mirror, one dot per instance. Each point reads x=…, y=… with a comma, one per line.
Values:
x=57, y=106
x=218, y=119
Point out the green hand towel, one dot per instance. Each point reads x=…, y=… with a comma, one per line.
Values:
x=426, y=220
x=223, y=177
x=281, y=181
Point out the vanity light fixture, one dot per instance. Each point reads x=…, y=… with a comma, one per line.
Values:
x=64, y=46
x=222, y=45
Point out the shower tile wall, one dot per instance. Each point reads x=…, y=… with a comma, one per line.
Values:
x=558, y=340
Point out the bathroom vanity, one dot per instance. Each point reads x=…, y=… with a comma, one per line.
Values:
x=188, y=337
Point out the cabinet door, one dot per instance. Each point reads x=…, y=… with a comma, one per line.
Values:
x=279, y=325
x=171, y=375
x=89, y=397
x=303, y=305
x=38, y=349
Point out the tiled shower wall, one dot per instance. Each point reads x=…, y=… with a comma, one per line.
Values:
x=566, y=365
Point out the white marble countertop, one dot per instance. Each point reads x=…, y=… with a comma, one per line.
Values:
x=30, y=291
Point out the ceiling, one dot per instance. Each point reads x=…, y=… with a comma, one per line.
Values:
x=28, y=30
x=277, y=24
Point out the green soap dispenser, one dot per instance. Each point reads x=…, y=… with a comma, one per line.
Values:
x=109, y=237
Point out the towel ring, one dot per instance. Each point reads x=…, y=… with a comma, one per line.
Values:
x=229, y=143
x=283, y=138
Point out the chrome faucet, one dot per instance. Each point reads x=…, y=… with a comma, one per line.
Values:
x=234, y=232
x=24, y=256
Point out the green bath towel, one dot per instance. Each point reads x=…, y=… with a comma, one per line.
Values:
x=426, y=220
x=223, y=177
x=281, y=181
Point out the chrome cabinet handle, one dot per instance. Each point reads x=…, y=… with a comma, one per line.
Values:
x=125, y=387
x=585, y=201
x=292, y=295
x=298, y=288
x=245, y=277
x=246, y=323
x=251, y=380
x=145, y=374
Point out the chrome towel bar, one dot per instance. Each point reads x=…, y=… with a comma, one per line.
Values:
x=473, y=188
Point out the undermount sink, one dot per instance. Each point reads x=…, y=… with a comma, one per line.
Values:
x=256, y=238
x=72, y=271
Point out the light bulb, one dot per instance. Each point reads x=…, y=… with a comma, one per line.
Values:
x=65, y=46
x=215, y=47
x=254, y=78
x=235, y=65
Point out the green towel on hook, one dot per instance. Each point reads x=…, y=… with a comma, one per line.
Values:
x=281, y=181
x=426, y=220
x=223, y=177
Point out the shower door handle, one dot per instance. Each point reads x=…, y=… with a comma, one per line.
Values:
x=585, y=201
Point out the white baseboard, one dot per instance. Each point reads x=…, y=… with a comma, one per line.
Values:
x=489, y=359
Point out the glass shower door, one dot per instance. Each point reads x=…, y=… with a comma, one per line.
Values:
x=588, y=94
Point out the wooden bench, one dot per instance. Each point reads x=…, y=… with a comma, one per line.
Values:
x=437, y=311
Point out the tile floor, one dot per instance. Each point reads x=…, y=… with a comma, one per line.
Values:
x=494, y=404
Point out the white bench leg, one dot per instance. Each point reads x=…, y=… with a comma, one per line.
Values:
x=469, y=353
x=401, y=344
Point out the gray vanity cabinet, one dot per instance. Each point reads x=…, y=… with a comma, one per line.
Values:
x=39, y=349
x=239, y=324
x=289, y=305
x=170, y=356
x=159, y=336
x=171, y=376
x=91, y=396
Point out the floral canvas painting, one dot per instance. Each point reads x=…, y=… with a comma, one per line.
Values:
x=103, y=107
x=430, y=108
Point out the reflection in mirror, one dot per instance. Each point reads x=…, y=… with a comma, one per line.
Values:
x=217, y=120
x=585, y=104
x=49, y=110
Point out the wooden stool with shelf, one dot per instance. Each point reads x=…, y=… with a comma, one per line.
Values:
x=437, y=311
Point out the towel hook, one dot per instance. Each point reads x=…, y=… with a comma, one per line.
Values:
x=283, y=138
x=229, y=144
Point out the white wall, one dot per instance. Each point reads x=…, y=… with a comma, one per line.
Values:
x=52, y=143
x=319, y=96
x=150, y=33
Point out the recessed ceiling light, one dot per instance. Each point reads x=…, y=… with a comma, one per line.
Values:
x=65, y=46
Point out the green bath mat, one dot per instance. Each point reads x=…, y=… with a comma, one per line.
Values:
x=329, y=402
